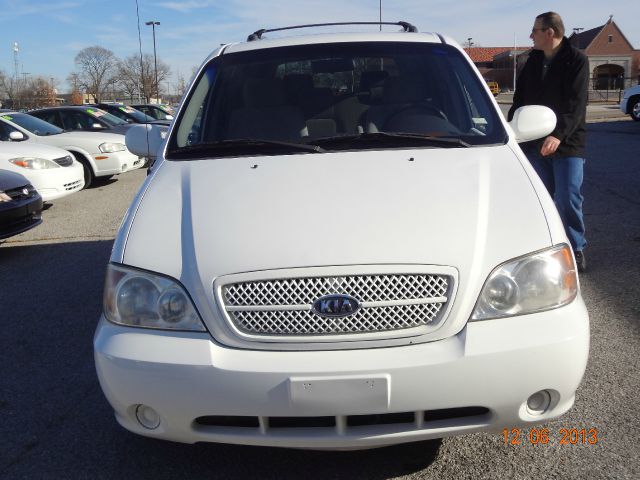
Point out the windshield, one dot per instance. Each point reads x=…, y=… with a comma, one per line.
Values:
x=159, y=112
x=33, y=124
x=137, y=114
x=321, y=94
x=106, y=117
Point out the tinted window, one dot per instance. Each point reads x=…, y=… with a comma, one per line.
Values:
x=153, y=111
x=80, y=120
x=125, y=113
x=298, y=94
x=105, y=117
x=33, y=124
x=5, y=130
x=49, y=116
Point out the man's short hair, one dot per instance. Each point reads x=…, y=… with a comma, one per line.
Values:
x=552, y=20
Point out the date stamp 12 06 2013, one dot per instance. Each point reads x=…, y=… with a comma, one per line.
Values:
x=546, y=436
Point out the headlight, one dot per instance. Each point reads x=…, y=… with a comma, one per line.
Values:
x=4, y=197
x=33, y=163
x=540, y=281
x=142, y=299
x=112, y=147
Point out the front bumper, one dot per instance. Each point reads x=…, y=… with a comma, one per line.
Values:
x=18, y=217
x=493, y=365
x=116, y=162
x=56, y=183
x=623, y=105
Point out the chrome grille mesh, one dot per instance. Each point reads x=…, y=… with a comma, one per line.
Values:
x=284, y=306
x=366, y=288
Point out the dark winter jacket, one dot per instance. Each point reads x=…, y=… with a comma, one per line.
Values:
x=563, y=90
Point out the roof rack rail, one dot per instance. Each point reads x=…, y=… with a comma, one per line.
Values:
x=257, y=35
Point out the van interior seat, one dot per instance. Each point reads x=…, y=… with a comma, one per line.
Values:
x=405, y=107
x=266, y=113
x=371, y=86
x=316, y=103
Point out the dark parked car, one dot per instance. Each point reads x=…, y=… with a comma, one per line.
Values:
x=20, y=205
x=79, y=117
x=129, y=114
x=159, y=112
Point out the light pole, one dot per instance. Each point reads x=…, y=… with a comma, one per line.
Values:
x=470, y=43
x=153, y=24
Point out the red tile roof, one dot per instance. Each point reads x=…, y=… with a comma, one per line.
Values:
x=486, y=54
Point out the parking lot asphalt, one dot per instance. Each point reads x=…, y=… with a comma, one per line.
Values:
x=57, y=424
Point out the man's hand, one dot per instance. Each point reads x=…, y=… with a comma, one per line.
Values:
x=549, y=146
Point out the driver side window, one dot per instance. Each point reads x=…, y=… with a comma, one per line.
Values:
x=5, y=130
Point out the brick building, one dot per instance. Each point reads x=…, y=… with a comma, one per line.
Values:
x=495, y=63
x=613, y=62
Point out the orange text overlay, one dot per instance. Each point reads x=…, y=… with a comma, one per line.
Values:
x=547, y=436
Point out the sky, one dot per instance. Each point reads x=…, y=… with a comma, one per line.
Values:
x=50, y=33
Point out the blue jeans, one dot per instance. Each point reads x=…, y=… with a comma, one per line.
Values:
x=563, y=178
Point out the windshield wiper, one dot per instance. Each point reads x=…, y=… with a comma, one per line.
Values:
x=242, y=144
x=382, y=137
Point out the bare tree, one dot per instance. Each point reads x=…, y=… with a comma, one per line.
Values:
x=9, y=90
x=138, y=78
x=76, y=95
x=38, y=92
x=97, y=70
x=180, y=84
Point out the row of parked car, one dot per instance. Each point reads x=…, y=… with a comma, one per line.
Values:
x=50, y=153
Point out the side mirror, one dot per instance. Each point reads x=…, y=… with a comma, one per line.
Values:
x=145, y=140
x=16, y=136
x=532, y=122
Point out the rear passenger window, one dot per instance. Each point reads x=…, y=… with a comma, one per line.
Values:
x=51, y=117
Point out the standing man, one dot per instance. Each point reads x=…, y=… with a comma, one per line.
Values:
x=557, y=75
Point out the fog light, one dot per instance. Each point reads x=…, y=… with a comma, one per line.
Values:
x=147, y=417
x=539, y=402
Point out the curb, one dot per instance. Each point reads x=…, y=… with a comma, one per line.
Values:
x=609, y=119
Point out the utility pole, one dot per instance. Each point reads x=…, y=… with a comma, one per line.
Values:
x=16, y=63
x=153, y=24
x=515, y=61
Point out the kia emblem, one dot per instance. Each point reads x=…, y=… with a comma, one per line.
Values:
x=336, y=305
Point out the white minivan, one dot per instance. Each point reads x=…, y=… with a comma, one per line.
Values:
x=341, y=245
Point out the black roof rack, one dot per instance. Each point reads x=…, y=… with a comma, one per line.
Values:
x=257, y=35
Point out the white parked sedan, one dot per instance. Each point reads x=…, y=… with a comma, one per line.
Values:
x=341, y=245
x=101, y=154
x=53, y=172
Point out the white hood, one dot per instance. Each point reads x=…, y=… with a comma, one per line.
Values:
x=29, y=149
x=231, y=215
